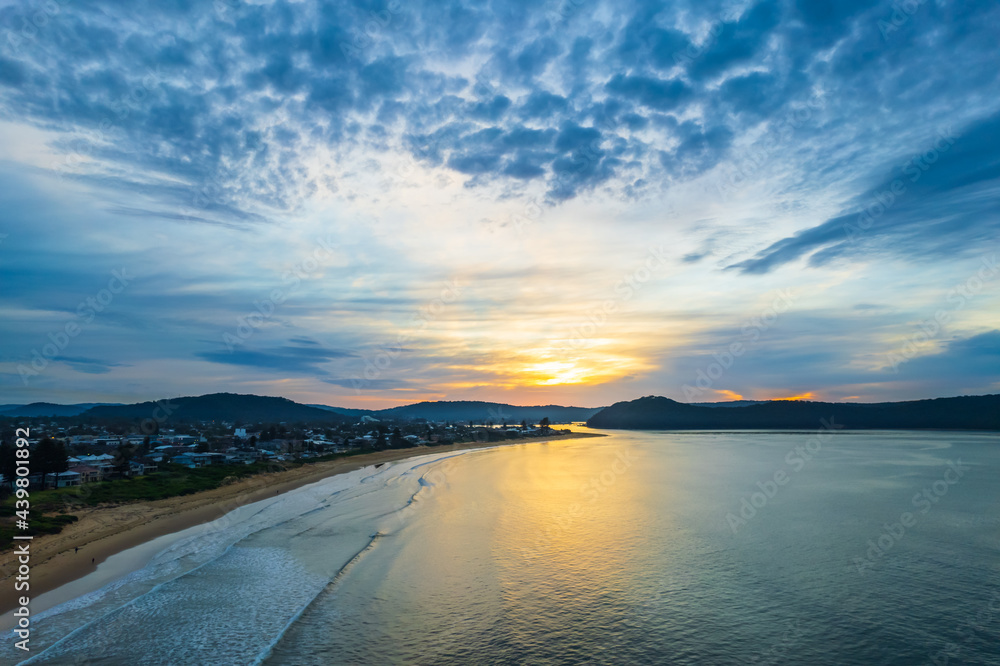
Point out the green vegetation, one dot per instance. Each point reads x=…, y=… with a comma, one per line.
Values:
x=37, y=525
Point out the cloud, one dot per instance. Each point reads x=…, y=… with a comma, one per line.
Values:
x=90, y=366
x=303, y=357
x=966, y=360
x=658, y=94
x=542, y=104
x=734, y=42
x=236, y=100
x=362, y=384
x=940, y=202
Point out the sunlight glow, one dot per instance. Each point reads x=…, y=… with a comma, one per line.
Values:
x=555, y=372
x=805, y=396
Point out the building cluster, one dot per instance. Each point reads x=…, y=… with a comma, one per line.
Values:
x=95, y=455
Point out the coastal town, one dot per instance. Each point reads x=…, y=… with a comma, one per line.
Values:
x=68, y=453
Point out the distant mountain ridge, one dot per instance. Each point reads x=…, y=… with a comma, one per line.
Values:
x=650, y=412
x=349, y=411
x=255, y=408
x=659, y=413
x=50, y=409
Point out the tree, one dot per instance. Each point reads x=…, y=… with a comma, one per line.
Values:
x=8, y=465
x=397, y=441
x=123, y=458
x=544, y=422
x=49, y=458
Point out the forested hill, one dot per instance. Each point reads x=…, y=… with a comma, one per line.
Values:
x=219, y=407
x=658, y=413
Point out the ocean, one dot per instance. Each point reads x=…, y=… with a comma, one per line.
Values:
x=828, y=547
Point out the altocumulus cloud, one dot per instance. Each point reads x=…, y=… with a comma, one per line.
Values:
x=215, y=109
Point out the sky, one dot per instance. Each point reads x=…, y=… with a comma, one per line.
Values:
x=568, y=201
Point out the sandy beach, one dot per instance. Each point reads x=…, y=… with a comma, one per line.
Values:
x=103, y=531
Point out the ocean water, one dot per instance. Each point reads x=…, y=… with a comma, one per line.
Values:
x=636, y=548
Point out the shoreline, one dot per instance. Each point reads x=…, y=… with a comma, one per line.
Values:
x=104, y=531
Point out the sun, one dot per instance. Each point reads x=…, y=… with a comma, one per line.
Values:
x=551, y=373
x=550, y=367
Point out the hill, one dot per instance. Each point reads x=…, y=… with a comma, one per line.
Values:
x=48, y=409
x=254, y=408
x=481, y=412
x=659, y=413
x=348, y=411
x=219, y=407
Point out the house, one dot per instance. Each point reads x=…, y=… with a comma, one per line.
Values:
x=245, y=457
x=66, y=479
x=148, y=465
x=168, y=452
x=194, y=459
x=188, y=460
x=88, y=474
x=103, y=462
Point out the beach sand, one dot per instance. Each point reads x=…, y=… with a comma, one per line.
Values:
x=104, y=531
